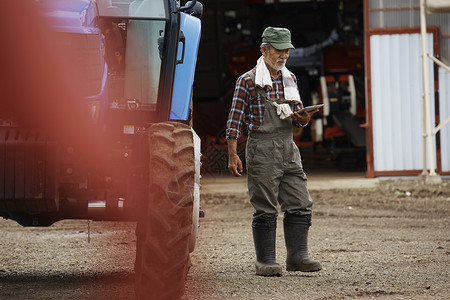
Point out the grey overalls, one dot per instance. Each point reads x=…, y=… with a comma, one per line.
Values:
x=274, y=167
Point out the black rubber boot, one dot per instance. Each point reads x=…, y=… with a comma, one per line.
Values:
x=264, y=235
x=296, y=236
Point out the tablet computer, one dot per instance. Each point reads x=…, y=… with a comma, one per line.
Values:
x=310, y=108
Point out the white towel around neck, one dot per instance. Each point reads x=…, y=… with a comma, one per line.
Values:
x=263, y=80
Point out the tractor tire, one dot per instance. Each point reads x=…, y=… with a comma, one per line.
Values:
x=165, y=227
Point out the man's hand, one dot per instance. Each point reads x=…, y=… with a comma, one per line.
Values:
x=303, y=118
x=235, y=165
x=234, y=162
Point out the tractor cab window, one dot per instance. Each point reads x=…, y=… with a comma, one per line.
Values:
x=133, y=8
x=134, y=36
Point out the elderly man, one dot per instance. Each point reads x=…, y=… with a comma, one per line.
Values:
x=267, y=99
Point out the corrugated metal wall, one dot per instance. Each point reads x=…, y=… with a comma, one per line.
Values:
x=406, y=14
x=396, y=85
x=444, y=113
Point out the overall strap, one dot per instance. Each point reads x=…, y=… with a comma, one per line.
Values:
x=259, y=90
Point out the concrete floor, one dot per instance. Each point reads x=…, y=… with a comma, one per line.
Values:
x=317, y=179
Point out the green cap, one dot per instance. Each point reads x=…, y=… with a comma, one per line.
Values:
x=279, y=38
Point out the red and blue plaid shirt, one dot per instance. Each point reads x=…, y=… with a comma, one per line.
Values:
x=248, y=104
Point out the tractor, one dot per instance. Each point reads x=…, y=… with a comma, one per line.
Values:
x=134, y=63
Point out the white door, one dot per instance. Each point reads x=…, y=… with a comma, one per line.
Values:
x=396, y=82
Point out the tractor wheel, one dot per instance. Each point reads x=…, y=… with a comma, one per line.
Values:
x=165, y=228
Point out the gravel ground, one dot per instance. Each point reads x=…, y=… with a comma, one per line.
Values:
x=387, y=242
x=59, y=262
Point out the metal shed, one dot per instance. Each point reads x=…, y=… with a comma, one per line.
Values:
x=396, y=122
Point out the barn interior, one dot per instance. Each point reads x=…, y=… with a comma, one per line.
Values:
x=328, y=62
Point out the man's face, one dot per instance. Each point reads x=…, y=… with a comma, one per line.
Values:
x=275, y=58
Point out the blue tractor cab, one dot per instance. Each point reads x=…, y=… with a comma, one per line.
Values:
x=134, y=61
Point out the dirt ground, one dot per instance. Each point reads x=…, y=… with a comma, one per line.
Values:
x=387, y=241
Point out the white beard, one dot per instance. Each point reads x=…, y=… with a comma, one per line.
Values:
x=276, y=67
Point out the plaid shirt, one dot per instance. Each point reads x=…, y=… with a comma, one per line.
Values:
x=248, y=105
